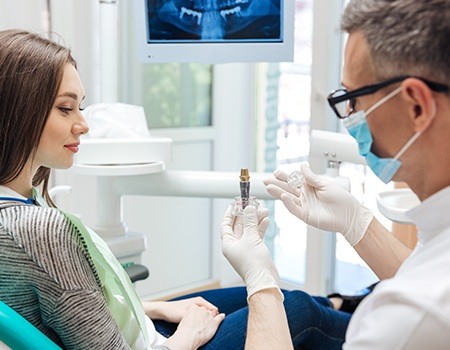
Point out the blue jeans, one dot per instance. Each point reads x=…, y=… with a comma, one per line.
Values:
x=313, y=322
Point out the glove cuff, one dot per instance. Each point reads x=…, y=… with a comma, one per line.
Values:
x=253, y=291
x=359, y=229
x=265, y=279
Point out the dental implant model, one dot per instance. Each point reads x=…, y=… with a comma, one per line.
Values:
x=245, y=199
x=245, y=187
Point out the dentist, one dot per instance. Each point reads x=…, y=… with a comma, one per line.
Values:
x=395, y=102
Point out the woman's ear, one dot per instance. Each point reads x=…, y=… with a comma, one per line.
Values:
x=421, y=103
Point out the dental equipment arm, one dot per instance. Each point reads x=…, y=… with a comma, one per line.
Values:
x=198, y=184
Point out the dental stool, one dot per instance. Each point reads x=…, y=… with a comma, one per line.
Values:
x=18, y=334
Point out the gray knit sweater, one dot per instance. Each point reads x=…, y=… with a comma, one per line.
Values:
x=47, y=275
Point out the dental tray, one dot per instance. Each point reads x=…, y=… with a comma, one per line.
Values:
x=123, y=151
x=395, y=203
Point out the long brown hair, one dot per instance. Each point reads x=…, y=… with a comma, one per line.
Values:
x=31, y=69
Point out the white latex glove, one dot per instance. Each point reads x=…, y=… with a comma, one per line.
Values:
x=243, y=246
x=322, y=203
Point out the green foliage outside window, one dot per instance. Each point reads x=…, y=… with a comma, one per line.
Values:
x=177, y=94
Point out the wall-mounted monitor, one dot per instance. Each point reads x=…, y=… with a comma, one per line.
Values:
x=215, y=31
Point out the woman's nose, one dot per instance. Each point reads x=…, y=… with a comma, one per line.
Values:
x=81, y=126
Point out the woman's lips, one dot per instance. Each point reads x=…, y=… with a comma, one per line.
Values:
x=72, y=147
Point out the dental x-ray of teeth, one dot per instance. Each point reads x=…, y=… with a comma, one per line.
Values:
x=214, y=20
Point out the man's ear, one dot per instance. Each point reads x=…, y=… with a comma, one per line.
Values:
x=421, y=103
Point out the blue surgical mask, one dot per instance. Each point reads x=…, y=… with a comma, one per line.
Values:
x=356, y=124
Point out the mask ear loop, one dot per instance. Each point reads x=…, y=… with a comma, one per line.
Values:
x=383, y=100
x=400, y=153
x=378, y=104
x=413, y=138
x=407, y=145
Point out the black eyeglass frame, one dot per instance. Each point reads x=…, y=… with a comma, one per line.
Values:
x=370, y=89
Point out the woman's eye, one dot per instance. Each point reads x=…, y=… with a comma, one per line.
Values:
x=65, y=109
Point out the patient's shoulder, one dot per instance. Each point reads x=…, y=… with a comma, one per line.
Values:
x=49, y=239
x=33, y=224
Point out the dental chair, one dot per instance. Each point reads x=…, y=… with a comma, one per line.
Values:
x=18, y=334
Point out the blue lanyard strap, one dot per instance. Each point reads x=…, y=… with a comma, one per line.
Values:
x=26, y=201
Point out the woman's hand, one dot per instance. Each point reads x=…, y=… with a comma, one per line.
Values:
x=175, y=311
x=196, y=328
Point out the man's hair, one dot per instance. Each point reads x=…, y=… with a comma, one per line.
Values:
x=31, y=70
x=405, y=37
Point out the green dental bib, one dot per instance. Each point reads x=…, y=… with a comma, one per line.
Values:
x=121, y=297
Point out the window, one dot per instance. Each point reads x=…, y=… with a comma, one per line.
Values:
x=173, y=94
x=177, y=94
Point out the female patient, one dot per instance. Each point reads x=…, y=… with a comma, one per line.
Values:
x=47, y=274
x=54, y=271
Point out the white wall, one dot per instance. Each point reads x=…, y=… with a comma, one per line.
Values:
x=35, y=18
x=77, y=22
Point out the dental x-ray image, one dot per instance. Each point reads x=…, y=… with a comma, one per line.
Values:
x=214, y=20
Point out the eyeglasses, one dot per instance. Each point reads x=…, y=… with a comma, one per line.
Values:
x=343, y=102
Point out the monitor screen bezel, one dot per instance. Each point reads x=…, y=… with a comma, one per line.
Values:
x=216, y=52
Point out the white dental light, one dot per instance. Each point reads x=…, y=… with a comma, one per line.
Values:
x=335, y=148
